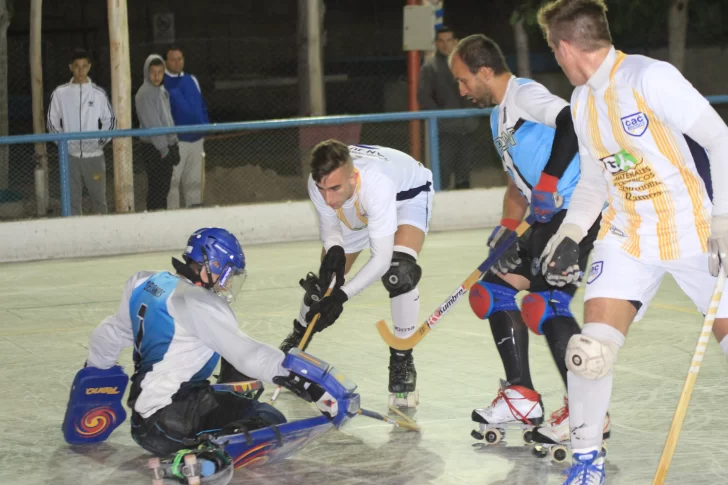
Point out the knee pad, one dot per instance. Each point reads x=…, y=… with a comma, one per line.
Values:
x=540, y=306
x=487, y=298
x=590, y=358
x=403, y=274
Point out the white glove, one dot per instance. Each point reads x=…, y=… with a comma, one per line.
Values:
x=718, y=243
x=328, y=405
x=560, y=257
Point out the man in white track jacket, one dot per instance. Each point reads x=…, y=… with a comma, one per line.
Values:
x=80, y=105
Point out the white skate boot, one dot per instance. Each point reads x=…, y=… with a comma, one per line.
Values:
x=514, y=407
x=587, y=468
x=555, y=437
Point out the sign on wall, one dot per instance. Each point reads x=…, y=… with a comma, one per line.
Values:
x=163, y=28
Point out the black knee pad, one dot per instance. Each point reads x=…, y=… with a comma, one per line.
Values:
x=403, y=274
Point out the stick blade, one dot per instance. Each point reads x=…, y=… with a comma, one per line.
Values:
x=401, y=343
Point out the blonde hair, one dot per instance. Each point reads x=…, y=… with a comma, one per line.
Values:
x=580, y=22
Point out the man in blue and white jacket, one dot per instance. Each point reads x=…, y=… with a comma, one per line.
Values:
x=188, y=108
x=80, y=105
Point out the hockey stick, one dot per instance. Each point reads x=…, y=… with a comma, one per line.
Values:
x=405, y=423
x=682, y=406
x=307, y=335
x=411, y=341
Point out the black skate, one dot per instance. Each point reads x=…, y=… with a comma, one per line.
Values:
x=402, y=379
x=294, y=338
x=209, y=464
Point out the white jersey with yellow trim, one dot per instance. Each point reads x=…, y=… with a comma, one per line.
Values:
x=384, y=176
x=630, y=124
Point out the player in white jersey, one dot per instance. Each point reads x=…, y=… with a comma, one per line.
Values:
x=643, y=135
x=179, y=325
x=376, y=197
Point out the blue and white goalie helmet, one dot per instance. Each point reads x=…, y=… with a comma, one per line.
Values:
x=221, y=257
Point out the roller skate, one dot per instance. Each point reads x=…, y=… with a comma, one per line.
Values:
x=209, y=464
x=402, y=379
x=515, y=407
x=294, y=338
x=587, y=468
x=555, y=437
x=312, y=294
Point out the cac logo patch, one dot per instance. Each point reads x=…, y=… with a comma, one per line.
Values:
x=635, y=124
x=595, y=272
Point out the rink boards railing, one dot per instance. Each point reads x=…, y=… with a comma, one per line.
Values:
x=431, y=117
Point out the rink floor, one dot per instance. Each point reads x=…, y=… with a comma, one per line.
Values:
x=48, y=309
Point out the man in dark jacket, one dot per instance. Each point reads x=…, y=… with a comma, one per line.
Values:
x=188, y=108
x=438, y=90
x=160, y=153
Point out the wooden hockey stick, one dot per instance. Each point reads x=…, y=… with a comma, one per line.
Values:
x=405, y=423
x=307, y=335
x=411, y=341
x=682, y=406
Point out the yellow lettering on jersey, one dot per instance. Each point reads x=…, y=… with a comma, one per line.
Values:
x=668, y=147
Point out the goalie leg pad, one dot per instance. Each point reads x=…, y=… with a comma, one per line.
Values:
x=592, y=354
x=487, y=298
x=540, y=306
x=403, y=274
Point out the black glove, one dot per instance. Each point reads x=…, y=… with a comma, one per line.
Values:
x=334, y=263
x=173, y=155
x=509, y=260
x=560, y=257
x=330, y=307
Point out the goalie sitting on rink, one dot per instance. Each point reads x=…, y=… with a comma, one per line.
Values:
x=180, y=324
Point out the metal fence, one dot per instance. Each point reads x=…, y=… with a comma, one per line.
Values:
x=252, y=162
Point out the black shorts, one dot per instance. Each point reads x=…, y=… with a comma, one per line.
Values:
x=532, y=244
x=195, y=410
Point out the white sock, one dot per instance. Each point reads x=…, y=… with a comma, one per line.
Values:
x=724, y=345
x=405, y=310
x=588, y=398
x=406, y=307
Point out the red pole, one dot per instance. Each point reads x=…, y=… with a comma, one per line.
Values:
x=413, y=74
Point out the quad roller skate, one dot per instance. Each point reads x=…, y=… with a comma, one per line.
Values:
x=209, y=464
x=402, y=379
x=554, y=438
x=515, y=407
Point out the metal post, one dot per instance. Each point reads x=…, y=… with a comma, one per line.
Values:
x=434, y=151
x=65, y=178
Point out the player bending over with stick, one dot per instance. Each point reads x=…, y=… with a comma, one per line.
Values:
x=534, y=135
x=643, y=133
x=376, y=197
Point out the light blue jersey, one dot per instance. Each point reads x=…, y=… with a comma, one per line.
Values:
x=523, y=126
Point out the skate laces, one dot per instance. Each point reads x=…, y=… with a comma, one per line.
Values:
x=514, y=411
x=558, y=416
x=584, y=471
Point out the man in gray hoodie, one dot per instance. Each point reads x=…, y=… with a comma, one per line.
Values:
x=161, y=152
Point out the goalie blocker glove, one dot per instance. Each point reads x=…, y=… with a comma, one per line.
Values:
x=309, y=392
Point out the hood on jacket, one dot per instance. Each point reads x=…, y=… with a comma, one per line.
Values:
x=149, y=60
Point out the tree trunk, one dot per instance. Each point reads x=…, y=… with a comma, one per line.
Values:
x=36, y=79
x=4, y=152
x=310, y=58
x=678, y=27
x=121, y=103
x=523, y=60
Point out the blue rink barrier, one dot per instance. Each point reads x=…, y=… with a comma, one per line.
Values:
x=432, y=117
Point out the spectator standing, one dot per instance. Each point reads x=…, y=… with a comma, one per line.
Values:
x=188, y=108
x=438, y=90
x=160, y=153
x=81, y=106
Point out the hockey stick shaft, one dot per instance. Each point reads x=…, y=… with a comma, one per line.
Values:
x=395, y=422
x=682, y=406
x=424, y=329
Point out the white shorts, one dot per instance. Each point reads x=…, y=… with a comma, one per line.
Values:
x=616, y=274
x=414, y=212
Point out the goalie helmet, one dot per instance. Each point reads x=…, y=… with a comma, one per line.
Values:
x=221, y=257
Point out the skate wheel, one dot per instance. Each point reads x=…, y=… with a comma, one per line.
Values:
x=190, y=462
x=158, y=481
x=478, y=436
x=604, y=448
x=528, y=436
x=559, y=453
x=493, y=436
